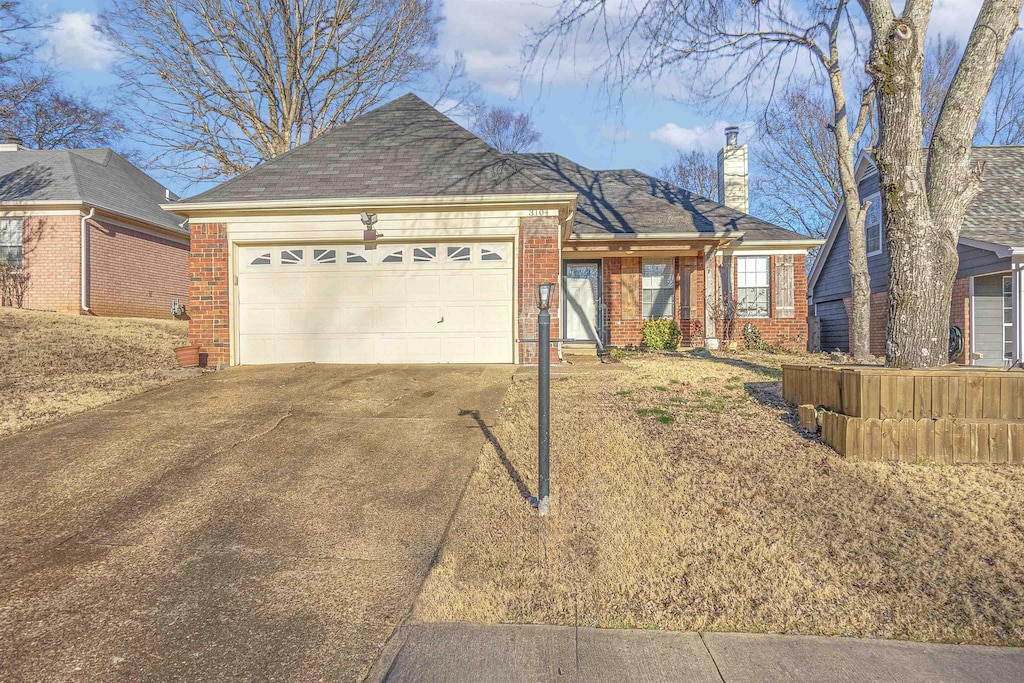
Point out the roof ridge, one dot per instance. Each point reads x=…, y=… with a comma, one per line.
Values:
x=75, y=176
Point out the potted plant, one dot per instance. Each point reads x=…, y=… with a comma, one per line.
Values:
x=188, y=356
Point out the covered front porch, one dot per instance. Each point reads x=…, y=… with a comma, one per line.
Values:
x=710, y=285
x=996, y=337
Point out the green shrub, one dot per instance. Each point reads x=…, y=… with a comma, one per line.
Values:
x=662, y=335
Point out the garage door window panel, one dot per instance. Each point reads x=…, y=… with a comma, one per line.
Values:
x=356, y=257
x=460, y=254
x=493, y=253
x=424, y=255
x=389, y=255
x=292, y=257
x=259, y=258
x=325, y=256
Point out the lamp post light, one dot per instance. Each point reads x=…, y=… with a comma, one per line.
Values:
x=544, y=292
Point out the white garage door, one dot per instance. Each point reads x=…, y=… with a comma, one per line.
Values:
x=422, y=303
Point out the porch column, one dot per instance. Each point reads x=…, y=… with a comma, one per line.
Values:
x=710, y=296
x=1017, y=283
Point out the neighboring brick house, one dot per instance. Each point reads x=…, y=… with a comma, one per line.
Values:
x=988, y=295
x=400, y=237
x=85, y=230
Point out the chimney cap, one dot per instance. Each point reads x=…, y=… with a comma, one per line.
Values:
x=732, y=135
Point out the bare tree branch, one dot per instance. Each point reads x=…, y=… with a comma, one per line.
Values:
x=220, y=85
x=696, y=171
x=506, y=130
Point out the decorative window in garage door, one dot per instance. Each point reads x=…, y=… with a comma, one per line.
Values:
x=460, y=254
x=260, y=258
x=292, y=257
x=424, y=254
x=391, y=254
x=325, y=256
x=494, y=252
x=355, y=257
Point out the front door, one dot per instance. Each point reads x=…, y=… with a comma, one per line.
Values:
x=582, y=288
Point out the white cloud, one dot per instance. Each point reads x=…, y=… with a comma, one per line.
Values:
x=76, y=44
x=491, y=36
x=704, y=138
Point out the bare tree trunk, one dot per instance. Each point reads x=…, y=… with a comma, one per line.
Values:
x=925, y=201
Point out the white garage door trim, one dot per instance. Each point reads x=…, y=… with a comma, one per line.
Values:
x=436, y=302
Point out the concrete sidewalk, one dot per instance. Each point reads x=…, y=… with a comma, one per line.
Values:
x=507, y=652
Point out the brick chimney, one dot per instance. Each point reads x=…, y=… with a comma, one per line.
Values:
x=732, y=172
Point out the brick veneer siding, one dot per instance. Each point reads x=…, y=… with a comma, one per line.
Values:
x=209, y=294
x=52, y=260
x=959, y=315
x=538, y=262
x=133, y=273
x=626, y=327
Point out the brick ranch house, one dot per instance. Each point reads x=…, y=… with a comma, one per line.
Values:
x=988, y=295
x=288, y=264
x=86, y=228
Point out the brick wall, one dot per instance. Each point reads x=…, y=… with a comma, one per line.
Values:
x=135, y=274
x=626, y=327
x=209, y=299
x=52, y=259
x=538, y=262
x=960, y=315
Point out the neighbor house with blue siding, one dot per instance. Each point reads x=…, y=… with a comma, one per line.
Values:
x=988, y=296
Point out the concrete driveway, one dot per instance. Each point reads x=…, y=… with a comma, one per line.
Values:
x=263, y=523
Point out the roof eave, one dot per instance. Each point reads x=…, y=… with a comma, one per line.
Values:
x=683, y=236
x=362, y=203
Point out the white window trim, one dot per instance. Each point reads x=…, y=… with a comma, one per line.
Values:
x=671, y=262
x=768, y=286
x=876, y=200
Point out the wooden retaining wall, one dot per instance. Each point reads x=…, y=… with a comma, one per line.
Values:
x=886, y=394
x=941, y=441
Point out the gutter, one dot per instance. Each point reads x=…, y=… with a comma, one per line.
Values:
x=85, y=259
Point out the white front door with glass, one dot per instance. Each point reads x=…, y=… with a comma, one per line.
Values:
x=582, y=301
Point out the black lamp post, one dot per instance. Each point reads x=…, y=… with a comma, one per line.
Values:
x=544, y=292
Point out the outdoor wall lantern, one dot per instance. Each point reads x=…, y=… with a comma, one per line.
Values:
x=368, y=219
x=544, y=292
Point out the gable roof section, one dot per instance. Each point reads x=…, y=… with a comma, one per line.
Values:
x=94, y=177
x=995, y=217
x=403, y=148
x=629, y=203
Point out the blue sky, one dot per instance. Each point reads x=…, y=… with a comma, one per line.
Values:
x=574, y=117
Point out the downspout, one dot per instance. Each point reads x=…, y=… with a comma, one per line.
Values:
x=85, y=259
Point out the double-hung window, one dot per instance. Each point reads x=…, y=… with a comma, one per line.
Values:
x=873, y=227
x=659, y=288
x=753, y=287
x=10, y=241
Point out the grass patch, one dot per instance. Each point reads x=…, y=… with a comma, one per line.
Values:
x=55, y=365
x=725, y=521
x=664, y=417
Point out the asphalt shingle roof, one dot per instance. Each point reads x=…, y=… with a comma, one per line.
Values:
x=405, y=148
x=95, y=177
x=997, y=214
x=630, y=202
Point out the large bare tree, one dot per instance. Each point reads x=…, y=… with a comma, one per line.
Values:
x=926, y=192
x=798, y=182
x=696, y=171
x=220, y=85
x=739, y=52
x=36, y=109
x=1002, y=119
x=506, y=129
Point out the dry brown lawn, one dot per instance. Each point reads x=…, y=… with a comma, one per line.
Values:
x=54, y=365
x=684, y=498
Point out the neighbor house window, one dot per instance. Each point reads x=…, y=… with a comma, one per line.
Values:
x=873, y=227
x=752, y=287
x=10, y=241
x=659, y=295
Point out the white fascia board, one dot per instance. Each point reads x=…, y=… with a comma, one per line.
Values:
x=667, y=236
x=1000, y=250
x=356, y=204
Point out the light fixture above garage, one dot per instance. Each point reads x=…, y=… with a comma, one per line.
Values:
x=369, y=233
